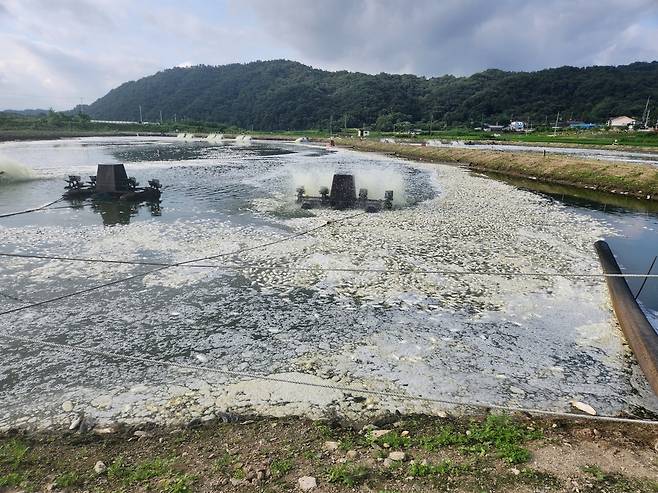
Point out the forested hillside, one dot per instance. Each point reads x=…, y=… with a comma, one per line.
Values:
x=281, y=95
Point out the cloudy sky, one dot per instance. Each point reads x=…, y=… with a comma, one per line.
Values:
x=57, y=53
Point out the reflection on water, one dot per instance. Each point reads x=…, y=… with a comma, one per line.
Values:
x=120, y=211
x=583, y=197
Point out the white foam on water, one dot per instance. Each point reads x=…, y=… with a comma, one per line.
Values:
x=436, y=335
x=12, y=172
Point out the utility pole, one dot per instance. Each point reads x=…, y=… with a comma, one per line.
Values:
x=556, y=120
x=160, y=117
x=175, y=117
x=645, y=115
x=140, y=114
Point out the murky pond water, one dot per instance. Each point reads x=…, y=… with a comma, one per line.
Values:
x=531, y=341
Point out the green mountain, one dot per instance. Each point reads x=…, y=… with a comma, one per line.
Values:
x=28, y=112
x=282, y=95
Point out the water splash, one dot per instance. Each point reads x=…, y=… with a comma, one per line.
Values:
x=13, y=172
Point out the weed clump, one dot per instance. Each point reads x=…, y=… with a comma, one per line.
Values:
x=391, y=439
x=498, y=433
x=347, y=475
x=281, y=467
x=13, y=453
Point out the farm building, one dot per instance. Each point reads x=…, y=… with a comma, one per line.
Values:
x=621, y=122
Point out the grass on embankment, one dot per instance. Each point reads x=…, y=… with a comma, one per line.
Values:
x=639, y=180
x=496, y=453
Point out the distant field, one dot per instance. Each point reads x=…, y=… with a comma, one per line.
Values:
x=637, y=180
x=584, y=138
x=589, y=137
x=58, y=125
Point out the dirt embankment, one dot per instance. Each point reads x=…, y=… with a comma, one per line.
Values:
x=413, y=454
x=638, y=180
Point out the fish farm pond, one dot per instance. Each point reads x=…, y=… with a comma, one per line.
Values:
x=472, y=289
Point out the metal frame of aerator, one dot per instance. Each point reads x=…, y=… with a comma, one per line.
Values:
x=362, y=202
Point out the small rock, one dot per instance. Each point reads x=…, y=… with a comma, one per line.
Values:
x=331, y=446
x=307, y=483
x=351, y=454
x=388, y=462
x=397, y=456
x=142, y=434
x=67, y=406
x=379, y=433
x=405, y=433
x=235, y=481
x=106, y=430
x=100, y=467
x=515, y=471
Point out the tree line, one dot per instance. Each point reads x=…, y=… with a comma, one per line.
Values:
x=286, y=95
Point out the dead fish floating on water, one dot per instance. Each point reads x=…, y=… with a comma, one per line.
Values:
x=111, y=183
x=586, y=408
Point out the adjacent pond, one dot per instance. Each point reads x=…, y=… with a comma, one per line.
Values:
x=334, y=305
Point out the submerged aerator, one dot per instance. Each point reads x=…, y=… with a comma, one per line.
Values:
x=111, y=182
x=343, y=196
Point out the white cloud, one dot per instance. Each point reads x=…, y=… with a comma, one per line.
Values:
x=52, y=53
x=461, y=36
x=56, y=53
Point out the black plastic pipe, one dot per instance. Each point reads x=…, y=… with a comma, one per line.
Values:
x=639, y=333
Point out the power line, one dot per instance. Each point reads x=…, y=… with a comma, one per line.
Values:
x=256, y=376
x=177, y=264
x=328, y=269
x=191, y=263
